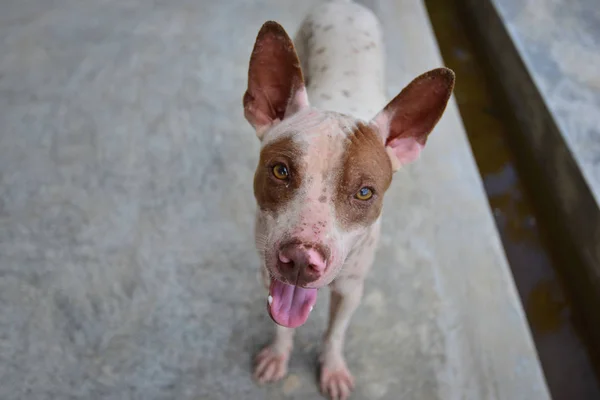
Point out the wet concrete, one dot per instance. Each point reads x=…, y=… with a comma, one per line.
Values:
x=551, y=314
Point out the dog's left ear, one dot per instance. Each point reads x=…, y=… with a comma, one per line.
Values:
x=407, y=120
x=275, y=82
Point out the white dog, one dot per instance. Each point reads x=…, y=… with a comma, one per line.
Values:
x=324, y=169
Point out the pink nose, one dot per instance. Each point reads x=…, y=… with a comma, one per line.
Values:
x=304, y=263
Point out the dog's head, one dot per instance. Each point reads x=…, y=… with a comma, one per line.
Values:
x=322, y=176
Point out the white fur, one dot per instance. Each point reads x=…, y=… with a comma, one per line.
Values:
x=341, y=50
x=349, y=64
x=323, y=139
x=344, y=67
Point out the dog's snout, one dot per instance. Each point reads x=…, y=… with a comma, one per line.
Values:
x=300, y=262
x=302, y=257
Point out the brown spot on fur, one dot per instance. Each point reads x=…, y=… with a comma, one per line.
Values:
x=346, y=93
x=271, y=193
x=325, y=96
x=328, y=28
x=366, y=163
x=354, y=276
x=321, y=50
x=324, y=68
x=349, y=73
x=325, y=175
x=323, y=199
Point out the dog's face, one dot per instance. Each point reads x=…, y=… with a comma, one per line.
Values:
x=319, y=184
x=321, y=177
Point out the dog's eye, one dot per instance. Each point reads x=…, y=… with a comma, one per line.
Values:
x=364, y=194
x=280, y=171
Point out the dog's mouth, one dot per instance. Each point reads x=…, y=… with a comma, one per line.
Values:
x=290, y=305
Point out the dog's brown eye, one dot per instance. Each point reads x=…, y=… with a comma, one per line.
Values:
x=364, y=194
x=280, y=171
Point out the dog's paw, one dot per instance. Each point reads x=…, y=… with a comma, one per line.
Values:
x=270, y=365
x=336, y=380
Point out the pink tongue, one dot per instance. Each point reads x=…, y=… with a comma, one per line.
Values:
x=291, y=304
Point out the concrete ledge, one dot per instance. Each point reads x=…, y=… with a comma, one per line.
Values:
x=545, y=56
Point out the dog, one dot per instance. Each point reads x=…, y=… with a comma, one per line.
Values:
x=324, y=168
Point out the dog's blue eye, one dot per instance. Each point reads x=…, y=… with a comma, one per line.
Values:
x=364, y=194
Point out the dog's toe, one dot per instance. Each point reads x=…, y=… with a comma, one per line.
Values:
x=270, y=366
x=337, y=384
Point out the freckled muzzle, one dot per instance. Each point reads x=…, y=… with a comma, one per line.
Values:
x=302, y=263
x=298, y=264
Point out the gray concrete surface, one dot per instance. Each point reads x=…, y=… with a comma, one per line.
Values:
x=559, y=42
x=127, y=268
x=547, y=56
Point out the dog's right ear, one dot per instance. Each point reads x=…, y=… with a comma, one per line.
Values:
x=275, y=83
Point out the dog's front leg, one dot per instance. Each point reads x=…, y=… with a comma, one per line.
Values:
x=336, y=380
x=270, y=364
x=272, y=361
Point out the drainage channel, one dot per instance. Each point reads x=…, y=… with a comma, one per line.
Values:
x=552, y=317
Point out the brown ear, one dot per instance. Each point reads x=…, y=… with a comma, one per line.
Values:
x=275, y=83
x=407, y=120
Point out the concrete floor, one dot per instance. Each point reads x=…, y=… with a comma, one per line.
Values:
x=127, y=268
